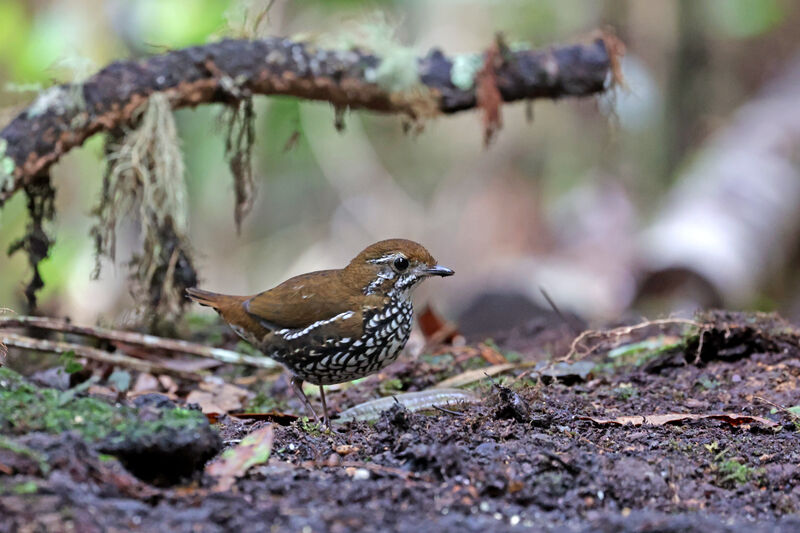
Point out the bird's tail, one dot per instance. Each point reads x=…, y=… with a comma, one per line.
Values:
x=208, y=298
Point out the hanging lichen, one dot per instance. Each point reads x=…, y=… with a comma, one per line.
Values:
x=248, y=19
x=397, y=72
x=144, y=179
x=36, y=242
x=239, y=120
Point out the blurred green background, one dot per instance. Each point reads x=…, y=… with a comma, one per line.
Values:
x=559, y=203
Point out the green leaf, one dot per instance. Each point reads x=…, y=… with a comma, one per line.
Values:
x=121, y=379
x=27, y=487
x=70, y=364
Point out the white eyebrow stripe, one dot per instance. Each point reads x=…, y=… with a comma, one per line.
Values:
x=386, y=258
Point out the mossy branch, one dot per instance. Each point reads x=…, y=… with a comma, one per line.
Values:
x=64, y=116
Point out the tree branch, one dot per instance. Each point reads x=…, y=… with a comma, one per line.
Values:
x=64, y=116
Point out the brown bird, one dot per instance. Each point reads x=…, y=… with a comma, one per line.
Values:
x=333, y=326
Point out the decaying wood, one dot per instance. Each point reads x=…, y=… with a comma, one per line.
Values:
x=64, y=116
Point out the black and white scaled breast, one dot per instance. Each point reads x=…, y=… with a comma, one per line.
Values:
x=336, y=360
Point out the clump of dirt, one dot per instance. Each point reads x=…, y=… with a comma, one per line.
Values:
x=731, y=335
x=522, y=458
x=167, y=446
x=156, y=440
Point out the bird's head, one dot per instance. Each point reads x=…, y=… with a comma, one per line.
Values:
x=393, y=267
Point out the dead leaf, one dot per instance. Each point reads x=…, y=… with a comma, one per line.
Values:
x=492, y=356
x=248, y=380
x=208, y=402
x=477, y=374
x=435, y=329
x=219, y=398
x=99, y=390
x=673, y=418
x=168, y=383
x=616, y=50
x=234, y=462
x=487, y=93
x=145, y=383
x=347, y=449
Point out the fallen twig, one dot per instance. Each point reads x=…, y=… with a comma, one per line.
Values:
x=138, y=339
x=3, y=348
x=780, y=408
x=575, y=328
x=140, y=365
x=448, y=411
x=620, y=332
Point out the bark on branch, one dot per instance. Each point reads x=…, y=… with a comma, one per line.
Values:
x=63, y=117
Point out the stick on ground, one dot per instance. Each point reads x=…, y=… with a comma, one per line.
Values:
x=138, y=339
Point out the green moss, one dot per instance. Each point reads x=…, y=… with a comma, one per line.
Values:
x=734, y=471
x=390, y=386
x=19, y=449
x=707, y=383
x=263, y=402
x=309, y=427
x=26, y=487
x=626, y=391
x=25, y=408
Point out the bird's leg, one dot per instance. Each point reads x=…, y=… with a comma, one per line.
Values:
x=297, y=384
x=325, y=418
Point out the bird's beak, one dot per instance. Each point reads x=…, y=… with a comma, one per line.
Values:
x=438, y=270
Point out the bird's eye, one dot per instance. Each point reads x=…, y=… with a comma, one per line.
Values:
x=401, y=263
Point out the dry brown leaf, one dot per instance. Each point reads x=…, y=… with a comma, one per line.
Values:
x=492, y=356
x=145, y=383
x=471, y=376
x=488, y=95
x=99, y=390
x=435, y=329
x=218, y=397
x=234, y=463
x=346, y=449
x=672, y=418
x=168, y=383
x=616, y=50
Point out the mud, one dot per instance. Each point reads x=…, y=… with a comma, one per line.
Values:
x=521, y=459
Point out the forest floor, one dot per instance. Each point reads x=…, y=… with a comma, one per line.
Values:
x=533, y=452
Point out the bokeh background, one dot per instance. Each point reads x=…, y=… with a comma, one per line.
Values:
x=679, y=192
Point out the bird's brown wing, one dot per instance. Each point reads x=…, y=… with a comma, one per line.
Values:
x=301, y=301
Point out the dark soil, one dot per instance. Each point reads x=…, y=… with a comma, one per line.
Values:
x=520, y=459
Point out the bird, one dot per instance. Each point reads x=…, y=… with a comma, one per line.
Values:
x=333, y=326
